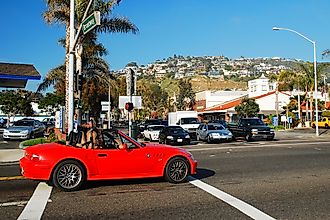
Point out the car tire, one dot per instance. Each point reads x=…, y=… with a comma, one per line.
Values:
x=177, y=170
x=313, y=126
x=64, y=175
x=31, y=136
x=247, y=137
x=208, y=139
x=326, y=126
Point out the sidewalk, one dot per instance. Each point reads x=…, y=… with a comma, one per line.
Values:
x=8, y=156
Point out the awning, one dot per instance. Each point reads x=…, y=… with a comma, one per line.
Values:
x=13, y=75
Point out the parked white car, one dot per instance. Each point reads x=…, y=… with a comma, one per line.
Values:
x=152, y=132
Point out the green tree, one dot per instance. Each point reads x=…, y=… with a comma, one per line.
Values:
x=51, y=102
x=13, y=103
x=247, y=108
x=186, y=97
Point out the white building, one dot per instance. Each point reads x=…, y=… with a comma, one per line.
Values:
x=207, y=99
x=260, y=86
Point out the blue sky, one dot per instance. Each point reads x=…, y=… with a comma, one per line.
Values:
x=183, y=27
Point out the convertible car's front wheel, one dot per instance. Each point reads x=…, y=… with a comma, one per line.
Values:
x=177, y=170
x=69, y=175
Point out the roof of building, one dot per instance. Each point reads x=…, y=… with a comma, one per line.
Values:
x=18, y=71
x=236, y=102
x=14, y=75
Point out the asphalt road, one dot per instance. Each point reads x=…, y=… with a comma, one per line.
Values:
x=286, y=179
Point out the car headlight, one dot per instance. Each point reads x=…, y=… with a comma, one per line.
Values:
x=5, y=131
x=230, y=134
x=254, y=131
x=170, y=137
x=272, y=130
x=25, y=132
x=187, y=136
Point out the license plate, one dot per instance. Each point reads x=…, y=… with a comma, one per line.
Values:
x=265, y=136
x=179, y=140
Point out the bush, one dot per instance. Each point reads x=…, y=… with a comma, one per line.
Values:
x=276, y=128
x=34, y=141
x=42, y=140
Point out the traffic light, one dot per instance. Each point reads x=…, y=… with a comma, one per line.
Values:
x=129, y=106
x=79, y=82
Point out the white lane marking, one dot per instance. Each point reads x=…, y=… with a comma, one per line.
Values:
x=242, y=206
x=37, y=203
x=251, y=146
x=3, y=142
x=13, y=203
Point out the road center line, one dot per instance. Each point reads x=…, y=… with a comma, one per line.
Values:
x=37, y=203
x=242, y=206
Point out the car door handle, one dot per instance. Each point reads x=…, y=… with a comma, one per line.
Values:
x=102, y=155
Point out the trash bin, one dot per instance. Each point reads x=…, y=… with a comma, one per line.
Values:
x=135, y=130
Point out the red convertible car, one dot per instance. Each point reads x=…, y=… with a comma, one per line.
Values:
x=119, y=157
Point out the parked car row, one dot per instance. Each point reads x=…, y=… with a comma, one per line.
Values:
x=214, y=131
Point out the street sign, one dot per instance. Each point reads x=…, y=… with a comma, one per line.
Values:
x=136, y=100
x=91, y=22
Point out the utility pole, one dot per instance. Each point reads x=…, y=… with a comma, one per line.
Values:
x=70, y=79
x=130, y=82
x=109, y=104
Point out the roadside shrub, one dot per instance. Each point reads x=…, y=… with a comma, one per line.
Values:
x=326, y=114
x=34, y=141
x=41, y=140
x=276, y=128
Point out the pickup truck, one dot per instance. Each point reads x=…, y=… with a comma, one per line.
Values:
x=251, y=129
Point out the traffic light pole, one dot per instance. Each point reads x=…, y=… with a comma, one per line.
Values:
x=70, y=79
x=130, y=118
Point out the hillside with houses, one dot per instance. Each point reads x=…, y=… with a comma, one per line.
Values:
x=217, y=67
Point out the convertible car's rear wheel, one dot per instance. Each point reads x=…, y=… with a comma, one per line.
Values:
x=177, y=170
x=69, y=175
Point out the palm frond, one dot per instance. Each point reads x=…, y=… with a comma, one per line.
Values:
x=117, y=25
x=53, y=76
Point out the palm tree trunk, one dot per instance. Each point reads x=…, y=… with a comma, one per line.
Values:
x=306, y=110
x=311, y=107
x=67, y=48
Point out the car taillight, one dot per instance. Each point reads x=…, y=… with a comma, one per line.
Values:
x=35, y=157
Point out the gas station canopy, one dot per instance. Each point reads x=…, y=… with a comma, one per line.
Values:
x=14, y=75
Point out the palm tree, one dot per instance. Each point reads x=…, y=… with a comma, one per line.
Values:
x=92, y=62
x=307, y=71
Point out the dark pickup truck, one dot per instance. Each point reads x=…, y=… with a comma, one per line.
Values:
x=251, y=129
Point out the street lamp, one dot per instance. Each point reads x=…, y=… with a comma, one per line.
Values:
x=315, y=74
